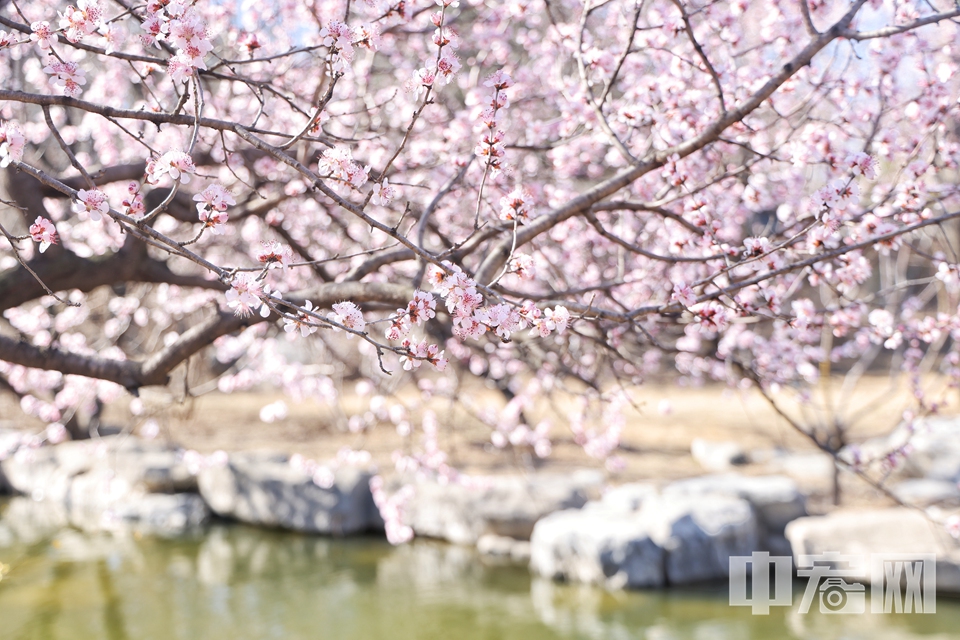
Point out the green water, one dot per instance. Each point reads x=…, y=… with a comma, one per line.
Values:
x=238, y=583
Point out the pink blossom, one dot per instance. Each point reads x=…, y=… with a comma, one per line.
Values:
x=711, y=316
x=273, y=254
x=340, y=165
x=304, y=322
x=245, y=295
x=114, y=36
x=952, y=525
x=42, y=34
x=155, y=28
x=338, y=37
x=275, y=411
x=56, y=433
x=81, y=20
x=181, y=68
x=557, y=319
x=12, y=143
x=367, y=36
x=212, y=205
x=836, y=196
x=862, y=164
x=423, y=79
x=383, y=193
x=92, y=204
x=44, y=233
x=422, y=307
x=399, y=327
x=683, y=294
x=177, y=164
x=249, y=41
x=68, y=75
x=419, y=352
x=499, y=80
x=523, y=266
x=491, y=148
x=349, y=315
x=515, y=206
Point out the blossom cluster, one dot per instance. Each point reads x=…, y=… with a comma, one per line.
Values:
x=176, y=163
x=490, y=149
x=471, y=319
x=447, y=63
x=92, y=204
x=340, y=165
x=68, y=75
x=43, y=233
x=12, y=142
x=247, y=294
x=181, y=25
x=212, y=204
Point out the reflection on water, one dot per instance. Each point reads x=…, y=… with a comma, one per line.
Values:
x=240, y=583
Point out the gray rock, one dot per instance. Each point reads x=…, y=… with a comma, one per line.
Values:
x=265, y=490
x=46, y=472
x=807, y=467
x=100, y=500
x=611, y=549
x=43, y=474
x=699, y=534
x=25, y=521
x=671, y=540
x=160, y=514
x=776, y=501
x=104, y=484
x=503, y=547
x=628, y=497
x=10, y=441
x=864, y=532
x=925, y=492
x=503, y=505
x=717, y=456
x=934, y=445
x=157, y=469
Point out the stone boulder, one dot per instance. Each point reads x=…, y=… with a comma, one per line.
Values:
x=24, y=521
x=153, y=467
x=864, y=532
x=626, y=497
x=502, y=547
x=10, y=441
x=776, y=500
x=807, y=467
x=101, y=500
x=267, y=490
x=670, y=540
x=717, y=456
x=506, y=506
x=699, y=534
x=927, y=491
x=46, y=472
x=109, y=484
x=159, y=514
x=934, y=445
x=597, y=546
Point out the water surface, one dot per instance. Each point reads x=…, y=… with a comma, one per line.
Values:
x=237, y=583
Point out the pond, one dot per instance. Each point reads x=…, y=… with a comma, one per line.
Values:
x=236, y=583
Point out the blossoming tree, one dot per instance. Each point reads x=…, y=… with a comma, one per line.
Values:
x=528, y=192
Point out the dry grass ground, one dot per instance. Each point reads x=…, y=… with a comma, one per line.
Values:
x=656, y=442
